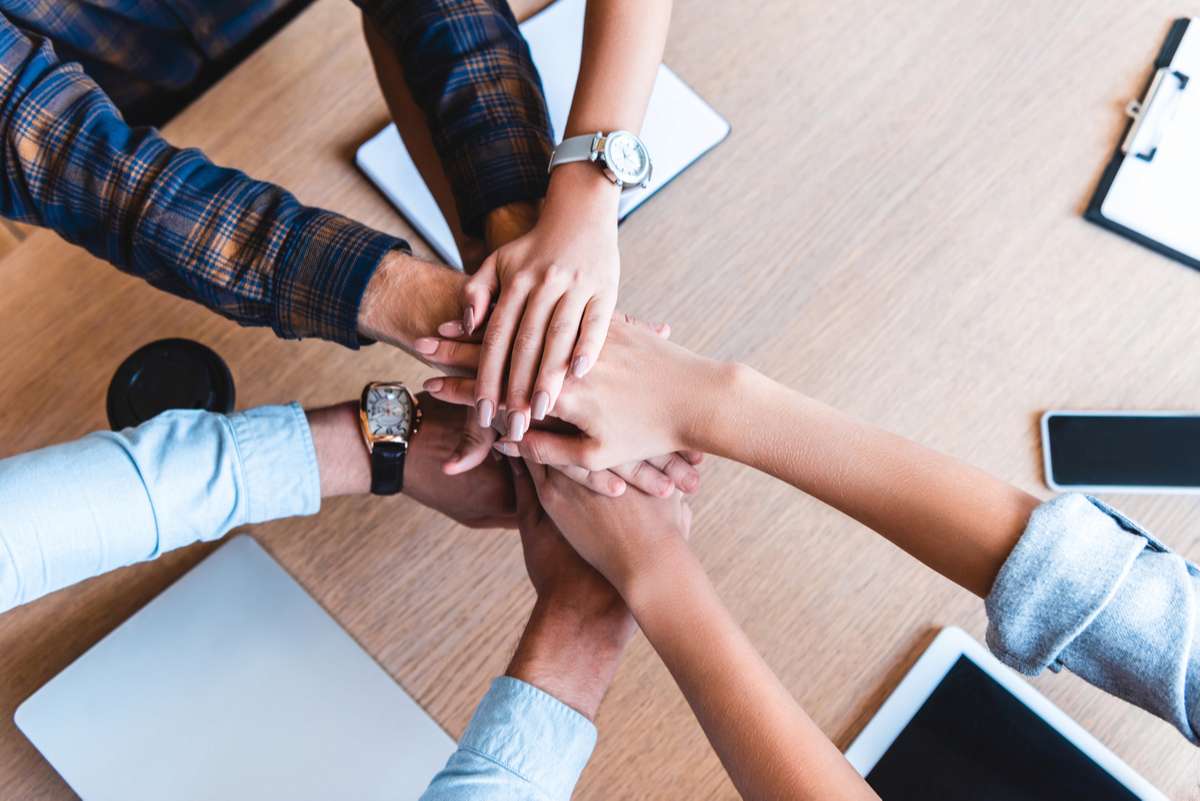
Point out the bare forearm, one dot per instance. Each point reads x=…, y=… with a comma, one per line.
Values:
x=768, y=745
x=571, y=656
x=622, y=47
x=407, y=298
x=957, y=519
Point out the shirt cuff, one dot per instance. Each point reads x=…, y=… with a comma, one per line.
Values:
x=278, y=462
x=324, y=268
x=532, y=735
x=509, y=166
x=1074, y=555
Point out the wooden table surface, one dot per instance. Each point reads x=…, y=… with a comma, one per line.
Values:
x=893, y=226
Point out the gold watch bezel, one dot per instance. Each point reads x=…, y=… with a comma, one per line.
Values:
x=364, y=425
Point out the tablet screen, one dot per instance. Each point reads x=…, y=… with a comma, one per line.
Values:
x=972, y=739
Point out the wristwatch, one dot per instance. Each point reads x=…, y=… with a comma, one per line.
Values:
x=389, y=416
x=621, y=155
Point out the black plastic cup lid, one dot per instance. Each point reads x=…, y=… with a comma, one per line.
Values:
x=168, y=374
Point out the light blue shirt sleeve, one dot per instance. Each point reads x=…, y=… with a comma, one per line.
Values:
x=83, y=508
x=521, y=745
x=1087, y=589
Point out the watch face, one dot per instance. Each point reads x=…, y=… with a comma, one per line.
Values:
x=626, y=156
x=389, y=411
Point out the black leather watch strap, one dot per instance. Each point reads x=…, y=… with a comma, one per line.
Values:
x=387, y=468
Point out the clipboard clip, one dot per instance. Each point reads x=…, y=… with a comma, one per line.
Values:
x=1152, y=115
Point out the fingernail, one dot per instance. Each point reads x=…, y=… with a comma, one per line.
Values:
x=507, y=448
x=454, y=328
x=516, y=426
x=541, y=405
x=486, y=410
x=580, y=366
x=616, y=486
x=468, y=322
x=689, y=484
x=434, y=384
x=426, y=345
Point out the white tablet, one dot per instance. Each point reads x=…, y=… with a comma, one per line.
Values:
x=961, y=725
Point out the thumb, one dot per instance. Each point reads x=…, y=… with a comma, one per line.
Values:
x=546, y=447
x=474, y=445
x=477, y=295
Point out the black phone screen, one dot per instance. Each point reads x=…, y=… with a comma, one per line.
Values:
x=1133, y=451
x=972, y=740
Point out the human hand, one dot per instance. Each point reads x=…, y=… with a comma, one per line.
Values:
x=557, y=289
x=646, y=396
x=405, y=300
x=655, y=475
x=625, y=538
x=480, y=497
x=579, y=626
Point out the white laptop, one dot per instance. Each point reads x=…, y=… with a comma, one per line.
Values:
x=679, y=128
x=233, y=684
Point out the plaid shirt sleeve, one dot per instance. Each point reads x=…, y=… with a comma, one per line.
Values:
x=247, y=249
x=469, y=69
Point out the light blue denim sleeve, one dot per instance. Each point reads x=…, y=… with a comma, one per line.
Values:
x=521, y=745
x=1087, y=589
x=83, y=508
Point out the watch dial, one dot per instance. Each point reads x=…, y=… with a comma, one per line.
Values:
x=626, y=157
x=389, y=412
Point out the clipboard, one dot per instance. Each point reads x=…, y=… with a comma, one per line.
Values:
x=1147, y=191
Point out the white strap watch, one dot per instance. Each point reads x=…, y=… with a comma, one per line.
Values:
x=620, y=154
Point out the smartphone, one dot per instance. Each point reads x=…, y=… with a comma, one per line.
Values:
x=1122, y=451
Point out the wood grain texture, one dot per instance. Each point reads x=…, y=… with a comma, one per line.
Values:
x=893, y=226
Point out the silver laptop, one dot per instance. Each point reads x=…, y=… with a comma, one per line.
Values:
x=679, y=128
x=233, y=684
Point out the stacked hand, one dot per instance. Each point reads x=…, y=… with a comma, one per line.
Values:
x=564, y=262
x=638, y=401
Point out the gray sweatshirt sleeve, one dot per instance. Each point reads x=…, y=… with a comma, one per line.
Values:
x=1087, y=589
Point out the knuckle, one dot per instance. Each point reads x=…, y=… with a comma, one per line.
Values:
x=562, y=328
x=534, y=451
x=495, y=338
x=527, y=341
x=522, y=281
x=590, y=458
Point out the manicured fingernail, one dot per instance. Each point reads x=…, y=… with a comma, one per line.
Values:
x=486, y=410
x=434, y=384
x=468, y=322
x=517, y=426
x=580, y=366
x=508, y=449
x=426, y=345
x=541, y=405
x=454, y=328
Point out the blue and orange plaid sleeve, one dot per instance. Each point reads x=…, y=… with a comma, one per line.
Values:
x=245, y=248
x=470, y=70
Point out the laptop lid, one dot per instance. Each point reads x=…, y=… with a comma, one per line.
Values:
x=233, y=684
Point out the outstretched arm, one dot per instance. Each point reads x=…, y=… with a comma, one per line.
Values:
x=532, y=734
x=766, y=742
x=1070, y=583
